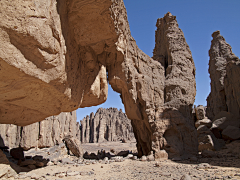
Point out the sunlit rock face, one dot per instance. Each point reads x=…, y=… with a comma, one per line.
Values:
x=224, y=70
x=106, y=125
x=55, y=55
x=47, y=133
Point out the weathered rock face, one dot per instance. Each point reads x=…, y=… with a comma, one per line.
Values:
x=44, y=57
x=224, y=70
x=174, y=128
x=46, y=133
x=54, y=56
x=106, y=125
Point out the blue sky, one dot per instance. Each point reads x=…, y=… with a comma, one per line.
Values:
x=198, y=19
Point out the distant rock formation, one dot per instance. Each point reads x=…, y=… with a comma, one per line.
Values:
x=46, y=133
x=106, y=125
x=224, y=70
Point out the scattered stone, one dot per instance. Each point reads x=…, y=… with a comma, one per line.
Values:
x=165, y=174
x=124, y=141
x=5, y=169
x=206, y=122
x=123, y=153
x=39, y=164
x=74, y=145
x=157, y=164
x=27, y=162
x=143, y=158
x=83, y=173
x=17, y=153
x=66, y=161
x=231, y=133
x=74, y=173
x=151, y=157
x=130, y=156
x=117, y=158
x=161, y=155
x=135, y=158
x=185, y=177
x=31, y=166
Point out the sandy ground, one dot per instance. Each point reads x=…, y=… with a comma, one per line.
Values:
x=224, y=164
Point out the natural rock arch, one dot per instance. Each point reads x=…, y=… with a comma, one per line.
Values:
x=60, y=57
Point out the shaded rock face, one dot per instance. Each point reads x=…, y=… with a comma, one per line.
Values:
x=106, y=125
x=46, y=133
x=224, y=70
x=6, y=169
x=54, y=56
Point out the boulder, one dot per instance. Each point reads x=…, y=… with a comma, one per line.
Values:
x=224, y=119
x=231, y=133
x=17, y=153
x=150, y=157
x=208, y=154
x=28, y=162
x=206, y=122
x=161, y=155
x=185, y=177
x=74, y=145
x=200, y=112
x=207, y=140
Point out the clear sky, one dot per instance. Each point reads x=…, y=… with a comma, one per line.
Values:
x=198, y=19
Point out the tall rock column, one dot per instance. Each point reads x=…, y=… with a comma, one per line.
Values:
x=224, y=73
x=83, y=129
x=174, y=128
x=87, y=129
x=92, y=123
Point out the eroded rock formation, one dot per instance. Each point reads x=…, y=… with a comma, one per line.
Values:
x=54, y=56
x=174, y=128
x=224, y=70
x=46, y=133
x=106, y=125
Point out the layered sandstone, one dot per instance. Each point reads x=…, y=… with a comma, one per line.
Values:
x=46, y=133
x=106, y=125
x=54, y=57
x=224, y=70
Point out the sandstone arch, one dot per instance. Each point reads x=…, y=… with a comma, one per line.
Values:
x=71, y=45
